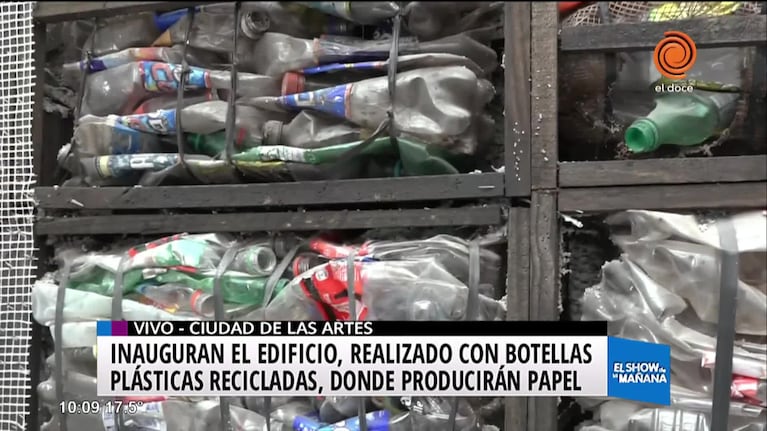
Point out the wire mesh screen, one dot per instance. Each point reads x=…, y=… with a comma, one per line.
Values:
x=17, y=268
x=635, y=11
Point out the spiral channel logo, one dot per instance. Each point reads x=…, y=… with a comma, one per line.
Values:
x=675, y=55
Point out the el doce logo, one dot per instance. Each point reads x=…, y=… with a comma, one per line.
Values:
x=673, y=57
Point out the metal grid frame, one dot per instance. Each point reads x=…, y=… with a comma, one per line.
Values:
x=515, y=181
x=493, y=189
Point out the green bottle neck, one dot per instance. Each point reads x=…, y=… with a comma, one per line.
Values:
x=662, y=124
x=643, y=136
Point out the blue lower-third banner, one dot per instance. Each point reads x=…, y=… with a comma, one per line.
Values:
x=638, y=371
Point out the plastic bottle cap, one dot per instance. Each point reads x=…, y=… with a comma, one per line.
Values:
x=293, y=83
x=202, y=303
x=262, y=261
x=272, y=131
x=255, y=24
x=642, y=136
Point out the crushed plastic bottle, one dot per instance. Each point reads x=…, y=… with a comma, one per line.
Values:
x=213, y=28
x=176, y=298
x=170, y=101
x=310, y=129
x=121, y=89
x=72, y=72
x=330, y=75
x=436, y=105
x=645, y=295
x=125, y=31
x=415, y=158
x=274, y=54
x=190, y=260
x=141, y=133
x=449, y=251
x=368, y=13
x=432, y=20
x=337, y=409
x=423, y=414
x=385, y=290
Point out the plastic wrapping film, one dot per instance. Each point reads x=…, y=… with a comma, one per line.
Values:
x=665, y=289
x=128, y=126
x=217, y=276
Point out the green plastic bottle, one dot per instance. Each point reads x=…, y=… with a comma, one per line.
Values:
x=681, y=119
x=237, y=288
x=214, y=144
x=417, y=158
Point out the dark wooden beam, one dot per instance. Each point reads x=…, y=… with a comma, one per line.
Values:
x=517, y=297
x=706, y=32
x=544, y=290
x=666, y=197
x=516, y=92
x=56, y=11
x=468, y=186
x=663, y=171
x=273, y=221
x=545, y=139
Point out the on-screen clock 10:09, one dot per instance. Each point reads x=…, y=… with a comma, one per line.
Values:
x=76, y=407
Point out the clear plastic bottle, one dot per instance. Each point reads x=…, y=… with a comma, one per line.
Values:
x=425, y=414
x=124, y=31
x=310, y=129
x=256, y=259
x=330, y=75
x=432, y=20
x=142, y=133
x=437, y=105
x=384, y=290
x=213, y=28
x=72, y=72
x=176, y=298
x=274, y=54
x=120, y=90
x=97, y=136
x=368, y=13
x=170, y=101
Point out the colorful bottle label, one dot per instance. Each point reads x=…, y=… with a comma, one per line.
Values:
x=340, y=67
x=328, y=287
x=328, y=249
x=111, y=61
x=131, y=145
x=165, y=77
x=376, y=421
x=272, y=153
x=303, y=423
x=333, y=100
x=96, y=65
x=121, y=165
x=162, y=122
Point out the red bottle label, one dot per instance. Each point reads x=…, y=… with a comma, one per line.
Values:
x=327, y=286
